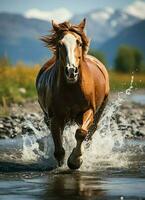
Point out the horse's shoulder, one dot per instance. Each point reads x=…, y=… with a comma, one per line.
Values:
x=91, y=59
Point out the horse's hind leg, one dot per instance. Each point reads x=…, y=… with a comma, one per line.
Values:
x=75, y=161
x=56, y=128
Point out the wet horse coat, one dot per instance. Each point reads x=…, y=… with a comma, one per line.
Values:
x=72, y=86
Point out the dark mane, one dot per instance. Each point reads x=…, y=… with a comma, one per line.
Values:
x=51, y=40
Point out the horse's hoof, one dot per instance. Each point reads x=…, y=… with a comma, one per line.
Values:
x=59, y=156
x=75, y=164
x=60, y=163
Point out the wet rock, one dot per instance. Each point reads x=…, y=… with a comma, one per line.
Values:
x=27, y=130
x=129, y=120
x=4, y=133
x=139, y=134
x=14, y=125
x=16, y=129
x=141, y=123
x=1, y=125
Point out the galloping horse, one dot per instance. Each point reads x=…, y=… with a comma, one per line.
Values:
x=71, y=86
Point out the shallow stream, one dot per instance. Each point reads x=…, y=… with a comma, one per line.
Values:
x=113, y=167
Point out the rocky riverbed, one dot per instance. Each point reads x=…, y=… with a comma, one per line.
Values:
x=130, y=120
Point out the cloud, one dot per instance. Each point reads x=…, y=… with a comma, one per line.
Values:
x=60, y=14
x=137, y=9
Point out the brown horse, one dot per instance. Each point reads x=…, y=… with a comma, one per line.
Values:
x=72, y=86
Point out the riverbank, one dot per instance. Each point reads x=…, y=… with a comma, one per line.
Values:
x=129, y=118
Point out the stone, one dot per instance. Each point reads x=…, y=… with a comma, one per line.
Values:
x=1, y=125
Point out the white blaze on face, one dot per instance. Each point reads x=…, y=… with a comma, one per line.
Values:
x=69, y=41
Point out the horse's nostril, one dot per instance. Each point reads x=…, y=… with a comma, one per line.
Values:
x=66, y=71
x=71, y=72
x=76, y=70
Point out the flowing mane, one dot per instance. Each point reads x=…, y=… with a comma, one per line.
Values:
x=52, y=40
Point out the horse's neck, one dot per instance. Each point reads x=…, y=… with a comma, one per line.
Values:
x=60, y=73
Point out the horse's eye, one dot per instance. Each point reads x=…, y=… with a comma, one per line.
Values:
x=79, y=43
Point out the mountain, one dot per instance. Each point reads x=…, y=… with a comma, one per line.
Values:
x=105, y=23
x=137, y=9
x=19, y=38
x=133, y=36
x=19, y=35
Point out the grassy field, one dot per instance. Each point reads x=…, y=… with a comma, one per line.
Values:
x=17, y=83
x=120, y=81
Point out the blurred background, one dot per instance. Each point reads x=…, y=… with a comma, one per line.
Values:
x=116, y=30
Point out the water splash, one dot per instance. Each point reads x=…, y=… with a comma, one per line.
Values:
x=107, y=141
x=104, y=150
x=37, y=146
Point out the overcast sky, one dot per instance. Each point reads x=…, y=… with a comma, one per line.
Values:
x=75, y=6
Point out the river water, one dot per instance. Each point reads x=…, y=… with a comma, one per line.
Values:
x=117, y=174
x=113, y=167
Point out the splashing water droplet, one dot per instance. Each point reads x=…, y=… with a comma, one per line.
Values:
x=103, y=149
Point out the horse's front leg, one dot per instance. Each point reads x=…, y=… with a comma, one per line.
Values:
x=57, y=128
x=75, y=161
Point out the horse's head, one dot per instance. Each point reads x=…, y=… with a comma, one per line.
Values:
x=70, y=51
x=69, y=43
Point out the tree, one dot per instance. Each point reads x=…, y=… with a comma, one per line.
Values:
x=138, y=56
x=124, y=61
x=98, y=54
x=128, y=59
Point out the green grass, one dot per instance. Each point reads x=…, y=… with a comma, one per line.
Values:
x=17, y=83
x=120, y=81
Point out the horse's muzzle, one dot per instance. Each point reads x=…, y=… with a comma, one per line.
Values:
x=71, y=74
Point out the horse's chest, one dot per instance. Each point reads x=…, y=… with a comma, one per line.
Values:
x=73, y=109
x=71, y=104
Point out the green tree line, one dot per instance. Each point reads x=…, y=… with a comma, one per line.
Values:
x=128, y=59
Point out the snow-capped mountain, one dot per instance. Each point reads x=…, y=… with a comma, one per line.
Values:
x=133, y=36
x=102, y=14
x=19, y=34
x=105, y=23
x=137, y=9
x=102, y=24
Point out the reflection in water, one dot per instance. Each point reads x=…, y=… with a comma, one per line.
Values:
x=108, y=183
x=86, y=186
x=72, y=185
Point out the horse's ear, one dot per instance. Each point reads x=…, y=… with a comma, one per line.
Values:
x=55, y=25
x=82, y=24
